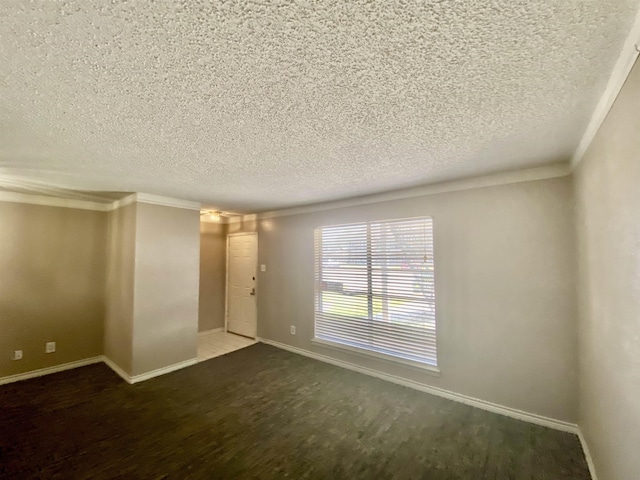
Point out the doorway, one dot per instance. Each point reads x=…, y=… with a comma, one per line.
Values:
x=242, y=268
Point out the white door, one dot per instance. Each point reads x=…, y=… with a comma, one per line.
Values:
x=242, y=266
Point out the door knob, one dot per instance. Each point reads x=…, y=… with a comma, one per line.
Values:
x=253, y=291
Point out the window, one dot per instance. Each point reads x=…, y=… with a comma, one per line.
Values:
x=375, y=288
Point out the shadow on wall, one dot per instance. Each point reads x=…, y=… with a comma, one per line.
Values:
x=213, y=259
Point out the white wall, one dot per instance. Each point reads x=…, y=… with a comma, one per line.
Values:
x=607, y=184
x=505, y=296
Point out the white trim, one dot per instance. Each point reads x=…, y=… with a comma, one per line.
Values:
x=30, y=199
x=123, y=202
x=474, y=402
x=618, y=76
x=33, y=187
x=49, y=370
x=471, y=401
x=113, y=366
x=66, y=202
x=505, y=178
x=89, y=361
x=587, y=455
x=155, y=200
x=429, y=369
x=213, y=330
x=146, y=376
x=166, y=201
x=161, y=371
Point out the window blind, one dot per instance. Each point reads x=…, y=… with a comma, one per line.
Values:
x=375, y=288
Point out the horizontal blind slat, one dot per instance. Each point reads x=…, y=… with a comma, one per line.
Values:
x=375, y=287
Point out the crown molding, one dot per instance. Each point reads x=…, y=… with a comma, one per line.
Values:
x=25, y=186
x=153, y=200
x=621, y=70
x=165, y=201
x=30, y=199
x=57, y=197
x=123, y=202
x=505, y=178
x=63, y=202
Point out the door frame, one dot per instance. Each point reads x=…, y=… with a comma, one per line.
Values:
x=226, y=283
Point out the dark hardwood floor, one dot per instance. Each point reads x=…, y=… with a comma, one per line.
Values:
x=264, y=413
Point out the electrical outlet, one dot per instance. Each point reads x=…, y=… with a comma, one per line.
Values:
x=293, y=329
x=263, y=268
x=17, y=355
x=50, y=347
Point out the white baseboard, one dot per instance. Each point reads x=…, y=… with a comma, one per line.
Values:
x=113, y=366
x=587, y=455
x=146, y=376
x=213, y=330
x=161, y=371
x=90, y=361
x=49, y=370
x=474, y=402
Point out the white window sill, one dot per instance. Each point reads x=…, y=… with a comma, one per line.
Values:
x=431, y=370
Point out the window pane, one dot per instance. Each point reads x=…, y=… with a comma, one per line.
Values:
x=375, y=287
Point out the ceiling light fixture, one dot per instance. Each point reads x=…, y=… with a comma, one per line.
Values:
x=211, y=215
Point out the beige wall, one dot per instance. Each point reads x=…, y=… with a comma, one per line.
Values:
x=121, y=251
x=213, y=264
x=248, y=223
x=167, y=269
x=607, y=183
x=152, y=289
x=52, y=279
x=505, y=299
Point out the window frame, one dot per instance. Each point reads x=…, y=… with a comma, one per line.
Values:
x=318, y=296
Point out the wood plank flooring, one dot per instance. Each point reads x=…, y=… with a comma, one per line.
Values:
x=264, y=413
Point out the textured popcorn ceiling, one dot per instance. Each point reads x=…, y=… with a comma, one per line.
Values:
x=257, y=105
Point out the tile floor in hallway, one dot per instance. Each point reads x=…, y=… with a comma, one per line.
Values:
x=214, y=344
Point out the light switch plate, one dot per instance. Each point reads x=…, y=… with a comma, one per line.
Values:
x=50, y=347
x=263, y=268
